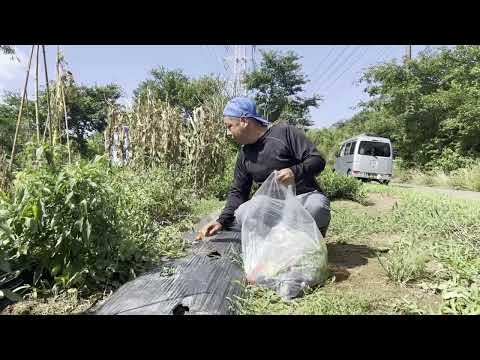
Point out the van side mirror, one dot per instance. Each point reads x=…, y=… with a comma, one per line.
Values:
x=337, y=153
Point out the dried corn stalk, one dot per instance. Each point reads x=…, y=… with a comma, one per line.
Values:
x=155, y=132
x=117, y=139
x=5, y=174
x=205, y=144
x=161, y=135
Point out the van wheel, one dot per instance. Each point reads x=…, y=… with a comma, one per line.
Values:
x=386, y=182
x=349, y=173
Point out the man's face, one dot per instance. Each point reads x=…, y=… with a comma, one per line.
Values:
x=238, y=128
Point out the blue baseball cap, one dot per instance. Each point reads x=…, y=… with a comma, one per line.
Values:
x=243, y=106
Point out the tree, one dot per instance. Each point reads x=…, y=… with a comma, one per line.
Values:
x=87, y=109
x=432, y=104
x=9, y=107
x=177, y=89
x=166, y=85
x=277, y=84
x=7, y=49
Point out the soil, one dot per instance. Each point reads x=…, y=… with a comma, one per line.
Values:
x=357, y=271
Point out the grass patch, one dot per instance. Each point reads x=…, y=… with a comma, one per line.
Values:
x=427, y=228
x=405, y=262
x=445, y=230
x=467, y=178
x=206, y=206
x=260, y=301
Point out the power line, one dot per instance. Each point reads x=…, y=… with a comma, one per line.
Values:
x=378, y=55
x=383, y=53
x=348, y=67
x=204, y=51
x=340, y=65
x=313, y=83
x=215, y=56
x=389, y=53
x=219, y=59
x=380, y=52
x=322, y=62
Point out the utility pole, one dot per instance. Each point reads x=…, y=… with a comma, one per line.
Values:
x=239, y=70
x=408, y=54
x=254, y=65
x=241, y=66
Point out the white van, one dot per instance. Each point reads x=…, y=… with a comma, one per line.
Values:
x=366, y=157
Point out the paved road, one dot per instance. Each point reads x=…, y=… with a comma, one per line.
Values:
x=460, y=194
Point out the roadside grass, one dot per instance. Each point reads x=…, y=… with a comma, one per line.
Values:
x=462, y=179
x=436, y=250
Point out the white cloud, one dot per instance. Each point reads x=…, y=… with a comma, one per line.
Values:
x=11, y=69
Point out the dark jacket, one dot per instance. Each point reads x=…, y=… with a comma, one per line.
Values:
x=282, y=146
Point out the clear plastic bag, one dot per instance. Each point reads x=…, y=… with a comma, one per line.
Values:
x=282, y=247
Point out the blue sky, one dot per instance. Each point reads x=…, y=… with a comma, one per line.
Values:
x=333, y=70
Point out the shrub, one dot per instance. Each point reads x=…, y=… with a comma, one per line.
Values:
x=466, y=178
x=61, y=225
x=150, y=202
x=449, y=161
x=95, y=146
x=220, y=184
x=341, y=187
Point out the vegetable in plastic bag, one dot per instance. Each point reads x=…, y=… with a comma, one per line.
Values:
x=282, y=247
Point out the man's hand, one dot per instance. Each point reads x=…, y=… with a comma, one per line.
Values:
x=286, y=177
x=209, y=230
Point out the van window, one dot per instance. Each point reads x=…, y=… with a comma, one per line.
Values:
x=373, y=148
x=347, y=149
x=352, y=148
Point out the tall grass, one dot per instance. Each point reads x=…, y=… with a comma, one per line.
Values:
x=465, y=178
x=160, y=134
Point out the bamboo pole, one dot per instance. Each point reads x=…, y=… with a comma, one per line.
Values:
x=66, y=122
x=21, y=109
x=37, y=120
x=57, y=91
x=49, y=121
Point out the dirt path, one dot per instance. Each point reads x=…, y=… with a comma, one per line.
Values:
x=358, y=272
x=460, y=194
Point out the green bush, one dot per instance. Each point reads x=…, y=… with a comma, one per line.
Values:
x=61, y=225
x=34, y=156
x=341, y=187
x=150, y=203
x=220, y=185
x=466, y=178
x=449, y=161
x=95, y=146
